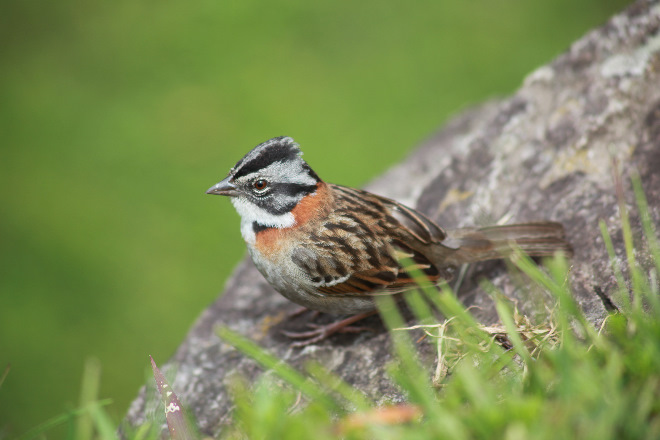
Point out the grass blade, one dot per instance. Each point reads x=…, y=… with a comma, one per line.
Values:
x=177, y=421
x=61, y=419
x=290, y=375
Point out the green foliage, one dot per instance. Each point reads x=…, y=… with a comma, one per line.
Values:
x=89, y=420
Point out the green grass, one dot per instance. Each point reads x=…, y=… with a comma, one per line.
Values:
x=559, y=378
x=116, y=116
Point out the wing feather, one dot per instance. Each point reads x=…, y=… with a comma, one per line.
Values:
x=367, y=246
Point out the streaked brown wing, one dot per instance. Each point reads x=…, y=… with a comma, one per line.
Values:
x=373, y=282
x=395, y=214
x=362, y=247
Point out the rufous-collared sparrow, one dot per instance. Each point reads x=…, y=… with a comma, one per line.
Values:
x=331, y=248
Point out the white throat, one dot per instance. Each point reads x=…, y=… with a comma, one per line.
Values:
x=251, y=213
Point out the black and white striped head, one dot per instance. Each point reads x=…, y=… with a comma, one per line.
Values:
x=269, y=182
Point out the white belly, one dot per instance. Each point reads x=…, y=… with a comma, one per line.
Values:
x=294, y=285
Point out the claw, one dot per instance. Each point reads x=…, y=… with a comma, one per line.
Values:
x=301, y=335
x=309, y=341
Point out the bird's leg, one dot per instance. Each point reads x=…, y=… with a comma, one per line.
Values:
x=300, y=310
x=321, y=332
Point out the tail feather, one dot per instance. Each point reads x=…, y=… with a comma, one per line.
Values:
x=536, y=239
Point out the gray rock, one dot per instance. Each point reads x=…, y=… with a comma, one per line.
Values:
x=544, y=153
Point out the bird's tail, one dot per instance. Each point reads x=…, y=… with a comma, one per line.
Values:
x=536, y=239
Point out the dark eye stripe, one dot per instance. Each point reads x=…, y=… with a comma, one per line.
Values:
x=286, y=194
x=294, y=189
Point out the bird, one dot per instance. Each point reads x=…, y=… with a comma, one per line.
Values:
x=333, y=248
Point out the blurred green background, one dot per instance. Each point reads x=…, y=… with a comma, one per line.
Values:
x=117, y=116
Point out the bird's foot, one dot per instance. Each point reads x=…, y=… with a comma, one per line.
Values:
x=321, y=332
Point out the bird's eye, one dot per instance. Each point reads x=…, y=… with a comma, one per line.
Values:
x=260, y=184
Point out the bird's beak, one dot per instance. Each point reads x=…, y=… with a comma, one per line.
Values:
x=224, y=188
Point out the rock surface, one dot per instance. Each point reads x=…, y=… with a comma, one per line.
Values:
x=544, y=153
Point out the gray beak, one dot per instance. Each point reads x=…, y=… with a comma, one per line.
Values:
x=224, y=188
